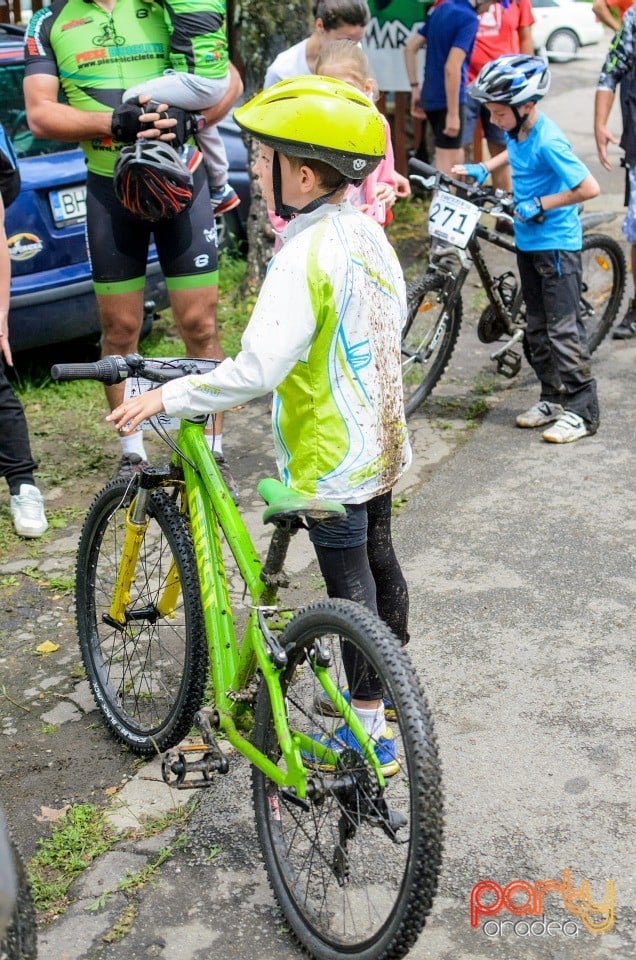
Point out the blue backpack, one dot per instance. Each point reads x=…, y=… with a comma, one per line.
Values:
x=9, y=170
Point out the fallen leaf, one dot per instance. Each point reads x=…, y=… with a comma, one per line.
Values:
x=47, y=647
x=111, y=790
x=51, y=814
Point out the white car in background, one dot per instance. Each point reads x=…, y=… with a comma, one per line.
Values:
x=561, y=27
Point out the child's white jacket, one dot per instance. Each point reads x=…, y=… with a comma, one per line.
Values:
x=325, y=337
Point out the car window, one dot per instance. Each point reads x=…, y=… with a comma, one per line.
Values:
x=544, y=3
x=13, y=116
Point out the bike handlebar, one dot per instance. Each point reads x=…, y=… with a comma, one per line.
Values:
x=114, y=369
x=481, y=197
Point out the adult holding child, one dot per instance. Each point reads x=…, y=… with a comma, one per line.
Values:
x=94, y=53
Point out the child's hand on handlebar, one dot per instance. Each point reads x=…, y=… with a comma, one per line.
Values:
x=477, y=171
x=130, y=413
x=529, y=209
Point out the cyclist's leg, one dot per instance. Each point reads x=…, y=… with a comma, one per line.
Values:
x=188, y=256
x=344, y=563
x=537, y=327
x=392, y=593
x=118, y=249
x=561, y=281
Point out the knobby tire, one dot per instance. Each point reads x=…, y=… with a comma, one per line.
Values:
x=346, y=887
x=147, y=677
x=20, y=941
x=427, y=341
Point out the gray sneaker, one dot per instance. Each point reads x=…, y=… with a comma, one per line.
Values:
x=626, y=329
x=543, y=412
x=129, y=465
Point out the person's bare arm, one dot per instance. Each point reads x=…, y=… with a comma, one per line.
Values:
x=585, y=190
x=452, y=83
x=222, y=108
x=603, y=101
x=58, y=121
x=413, y=45
x=526, y=44
x=605, y=15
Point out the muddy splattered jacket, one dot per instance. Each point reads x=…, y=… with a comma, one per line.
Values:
x=325, y=336
x=620, y=68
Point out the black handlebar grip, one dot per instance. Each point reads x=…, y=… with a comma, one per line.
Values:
x=110, y=370
x=424, y=169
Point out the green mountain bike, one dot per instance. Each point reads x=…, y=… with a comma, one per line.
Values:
x=352, y=846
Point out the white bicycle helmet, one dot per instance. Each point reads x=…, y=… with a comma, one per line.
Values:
x=513, y=79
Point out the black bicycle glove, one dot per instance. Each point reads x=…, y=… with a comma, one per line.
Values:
x=125, y=123
x=187, y=124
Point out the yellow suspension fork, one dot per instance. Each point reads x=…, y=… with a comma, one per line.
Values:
x=136, y=526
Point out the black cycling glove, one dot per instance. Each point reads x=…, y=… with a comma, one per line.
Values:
x=125, y=123
x=187, y=124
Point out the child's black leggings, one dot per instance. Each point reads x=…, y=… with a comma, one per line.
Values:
x=358, y=562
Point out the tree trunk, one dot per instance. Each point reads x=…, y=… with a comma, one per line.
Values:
x=260, y=30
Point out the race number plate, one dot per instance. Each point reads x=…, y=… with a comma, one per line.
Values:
x=136, y=385
x=452, y=218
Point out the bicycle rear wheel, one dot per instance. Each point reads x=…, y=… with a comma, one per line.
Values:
x=428, y=338
x=354, y=867
x=147, y=675
x=603, y=285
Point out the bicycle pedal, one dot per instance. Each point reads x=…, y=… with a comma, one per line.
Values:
x=176, y=767
x=508, y=363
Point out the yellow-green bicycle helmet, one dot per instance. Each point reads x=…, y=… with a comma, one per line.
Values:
x=318, y=118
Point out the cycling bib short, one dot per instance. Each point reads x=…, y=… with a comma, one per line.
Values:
x=186, y=244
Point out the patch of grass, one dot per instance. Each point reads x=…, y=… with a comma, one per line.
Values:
x=477, y=409
x=48, y=728
x=81, y=836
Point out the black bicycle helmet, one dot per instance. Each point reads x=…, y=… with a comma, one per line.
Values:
x=152, y=181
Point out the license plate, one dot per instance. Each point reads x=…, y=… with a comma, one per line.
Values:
x=452, y=218
x=68, y=205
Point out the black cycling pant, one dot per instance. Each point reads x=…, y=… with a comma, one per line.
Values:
x=367, y=572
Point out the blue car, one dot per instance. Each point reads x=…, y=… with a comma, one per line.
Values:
x=52, y=297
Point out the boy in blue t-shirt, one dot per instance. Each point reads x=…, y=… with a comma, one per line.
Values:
x=548, y=182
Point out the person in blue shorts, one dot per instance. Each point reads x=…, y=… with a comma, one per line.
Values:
x=548, y=183
x=448, y=33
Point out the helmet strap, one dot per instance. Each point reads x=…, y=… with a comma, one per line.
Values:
x=283, y=210
x=521, y=119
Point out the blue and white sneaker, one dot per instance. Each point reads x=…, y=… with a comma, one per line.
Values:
x=325, y=706
x=343, y=739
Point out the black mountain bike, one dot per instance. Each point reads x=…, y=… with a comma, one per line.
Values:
x=435, y=299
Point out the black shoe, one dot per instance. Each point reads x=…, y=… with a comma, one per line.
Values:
x=627, y=327
x=226, y=473
x=129, y=465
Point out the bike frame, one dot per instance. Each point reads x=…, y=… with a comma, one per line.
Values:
x=232, y=666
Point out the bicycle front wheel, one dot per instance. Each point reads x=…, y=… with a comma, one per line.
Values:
x=428, y=338
x=147, y=674
x=354, y=866
x=603, y=285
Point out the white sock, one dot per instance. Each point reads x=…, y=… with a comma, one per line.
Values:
x=373, y=721
x=134, y=444
x=215, y=442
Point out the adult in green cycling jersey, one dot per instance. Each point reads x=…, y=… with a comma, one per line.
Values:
x=94, y=51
